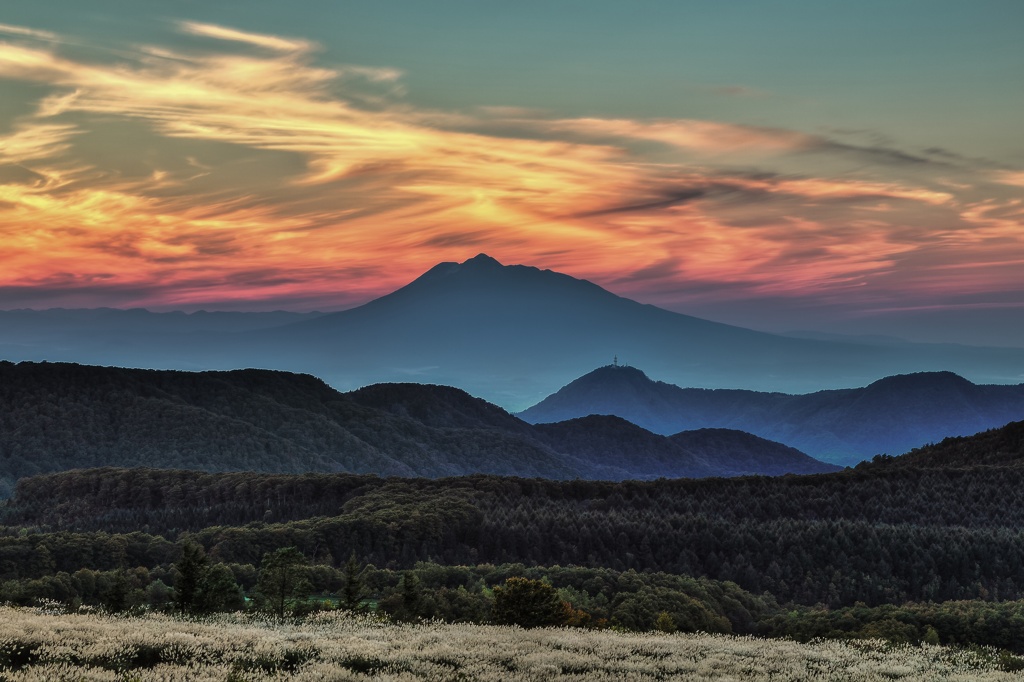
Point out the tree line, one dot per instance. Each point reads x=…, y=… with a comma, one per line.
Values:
x=871, y=536
x=286, y=584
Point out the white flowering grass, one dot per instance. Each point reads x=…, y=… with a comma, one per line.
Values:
x=37, y=645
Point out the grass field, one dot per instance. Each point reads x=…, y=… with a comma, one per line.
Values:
x=37, y=645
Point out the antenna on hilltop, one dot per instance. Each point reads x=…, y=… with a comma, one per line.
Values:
x=615, y=361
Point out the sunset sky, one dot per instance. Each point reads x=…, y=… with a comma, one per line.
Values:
x=849, y=167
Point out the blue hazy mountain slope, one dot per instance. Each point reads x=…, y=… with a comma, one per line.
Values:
x=891, y=415
x=131, y=337
x=513, y=335
x=509, y=333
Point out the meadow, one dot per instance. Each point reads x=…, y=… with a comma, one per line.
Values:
x=45, y=644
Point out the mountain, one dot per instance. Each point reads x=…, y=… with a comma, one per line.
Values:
x=891, y=415
x=511, y=334
x=56, y=416
x=134, y=337
x=610, y=440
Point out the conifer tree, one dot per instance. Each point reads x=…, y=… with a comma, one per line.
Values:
x=191, y=568
x=352, y=592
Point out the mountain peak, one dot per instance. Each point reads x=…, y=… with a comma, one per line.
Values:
x=523, y=286
x=601, y=391
x=617, y=371
x=918, y=381
x=480, y=263
x=482, y=259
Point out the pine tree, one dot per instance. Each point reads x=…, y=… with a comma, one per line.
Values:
x=411, y=595
x=191, y=568
x=352, y=592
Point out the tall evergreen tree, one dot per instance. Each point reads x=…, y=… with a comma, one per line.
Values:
x=411, y=595
x=191, y=569
x=352, y=591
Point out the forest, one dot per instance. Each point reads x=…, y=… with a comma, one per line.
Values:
x=912, y=554
x=876, y=535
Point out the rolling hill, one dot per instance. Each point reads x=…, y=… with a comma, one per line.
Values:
x=1002, y=447
x=56, y=416
x=892, y=415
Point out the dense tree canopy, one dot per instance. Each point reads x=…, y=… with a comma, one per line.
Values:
x=875, y=536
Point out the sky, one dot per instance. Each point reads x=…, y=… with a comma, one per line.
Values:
x=855, y=168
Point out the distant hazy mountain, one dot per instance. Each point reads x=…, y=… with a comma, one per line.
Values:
x=56, y=416
x=892, y=415
x=507, y=333
x=511, y=334
x=133, y=337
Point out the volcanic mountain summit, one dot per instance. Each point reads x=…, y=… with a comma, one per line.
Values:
x=511, y=334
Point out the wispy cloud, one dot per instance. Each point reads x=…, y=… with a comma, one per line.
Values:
x=33, y=141
x=1015, y=178
x=710, y=136
x=269, y=42
x=27, y=32
x=263, y=160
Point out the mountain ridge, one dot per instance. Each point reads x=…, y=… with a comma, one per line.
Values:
x=58, y=416
x=999, y=447
x=891, y=415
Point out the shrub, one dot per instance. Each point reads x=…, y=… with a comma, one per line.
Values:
x=529, y=604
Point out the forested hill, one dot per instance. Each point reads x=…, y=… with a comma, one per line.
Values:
x=892, y=415
x=56, y=416
x=1002, y=447
x=608, y=440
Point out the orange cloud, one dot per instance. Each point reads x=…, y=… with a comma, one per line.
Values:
x=261, y=173
x=705, y=136
x=1015, y=178
x=35, y=141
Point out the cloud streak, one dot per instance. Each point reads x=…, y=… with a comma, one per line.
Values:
x=269, y=42
x=250, y=155
x=27, y=32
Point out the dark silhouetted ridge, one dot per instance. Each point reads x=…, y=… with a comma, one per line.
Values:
x=939, y=383
x=745, y=453
x=709, y=452
x=438, y=406
x=56, y=416
x=1002, y=447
